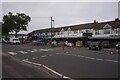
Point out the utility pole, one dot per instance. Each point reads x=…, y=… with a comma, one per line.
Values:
x=51, y=29
x=53, y=23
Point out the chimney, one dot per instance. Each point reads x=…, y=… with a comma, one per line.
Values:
x=95, y=21
x=116, y=19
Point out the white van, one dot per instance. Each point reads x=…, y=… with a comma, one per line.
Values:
x=14, y=41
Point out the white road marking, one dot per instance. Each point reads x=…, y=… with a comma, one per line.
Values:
x=81, y=56
x=35, y=49
x=12, y=53
x=44, y=56
x=100, y=59
x=25, y=59
x=31, y=51
x=88, y=57
x=34, y=57
x=66, y=52
x=49, y=69
x=52, y=70
x=111, y=60
x=50, y=54
x=111, y=52
x=44, y=49
x=23, y=52
x=57, y=53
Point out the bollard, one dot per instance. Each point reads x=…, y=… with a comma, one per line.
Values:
x=62, y=45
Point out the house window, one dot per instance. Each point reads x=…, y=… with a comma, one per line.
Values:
x=97, y=32
x=75, y=32
x=87, y=31
x=57, y=33
x=118, y=30
x=106, y=31
x=62, y=31
x=69, y=31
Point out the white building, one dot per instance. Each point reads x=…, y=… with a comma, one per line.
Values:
x=103, y=30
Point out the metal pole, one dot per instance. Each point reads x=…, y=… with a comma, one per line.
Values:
x=53, y=23
x=51, y=28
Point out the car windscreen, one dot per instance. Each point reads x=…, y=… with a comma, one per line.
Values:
x=105, y=42
x=118, y=42
x=95, y=43
x=15, y=39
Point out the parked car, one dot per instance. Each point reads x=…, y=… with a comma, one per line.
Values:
x=118, y=45
x=88, y=43
x=4, y=41
x=95, y=45
x=54, y=44
x=70, y=44
x=14, y=41
x=106, y=44
x=38, y=42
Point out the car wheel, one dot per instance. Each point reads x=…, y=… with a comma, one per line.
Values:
x=89, y=48
x=98, y=48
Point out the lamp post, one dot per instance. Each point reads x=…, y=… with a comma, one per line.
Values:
x=52, y=27
x=53, y=23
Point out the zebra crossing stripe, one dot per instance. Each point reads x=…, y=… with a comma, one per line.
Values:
x=23, y=52
x=12, y=53
x=44, y=49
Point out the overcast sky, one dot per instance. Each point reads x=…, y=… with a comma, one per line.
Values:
x=64, y=13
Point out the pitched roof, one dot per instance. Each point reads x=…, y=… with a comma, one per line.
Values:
x=94, y=25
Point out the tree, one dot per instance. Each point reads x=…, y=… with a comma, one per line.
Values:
x=15, y=23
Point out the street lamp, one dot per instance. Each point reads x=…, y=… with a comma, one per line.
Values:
x=53, y=23
x=52, y=27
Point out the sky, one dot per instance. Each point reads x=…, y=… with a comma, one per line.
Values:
x=63, y=13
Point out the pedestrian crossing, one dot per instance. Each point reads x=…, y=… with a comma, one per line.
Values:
x=12, y=53
x=28, y=51
x=23, y=52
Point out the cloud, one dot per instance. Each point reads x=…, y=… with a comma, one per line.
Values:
x=64, y=13
x=60, y=0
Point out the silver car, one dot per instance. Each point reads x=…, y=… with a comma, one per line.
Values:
x=118, y=45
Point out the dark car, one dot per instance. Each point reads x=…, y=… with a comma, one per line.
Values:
x=38, y=42
x=118, y=45
x=88, y=43
x=106, y=44
x=95, y=45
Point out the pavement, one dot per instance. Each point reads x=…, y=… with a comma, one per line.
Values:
x=0, y=60
x=71, y=62
x=13, y=68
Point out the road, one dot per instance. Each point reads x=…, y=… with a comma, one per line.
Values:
x=0, y=60
x=70, y=62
